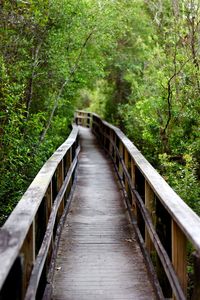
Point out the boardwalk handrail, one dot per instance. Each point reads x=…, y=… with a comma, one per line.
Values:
x=28, y=237
x=165, y=222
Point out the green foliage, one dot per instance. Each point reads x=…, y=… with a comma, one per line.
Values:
x=136, y=63
x=151, y=86
x=45, y=58
x=180, y=173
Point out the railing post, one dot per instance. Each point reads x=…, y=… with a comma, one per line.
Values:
x=49, y=203
x=60, y=179
x=75, y=117
x=107, y=140
x=150, y=205
x=126, y=161
x=121, y=158
x=114, y=148
x=85, y=119
x=104, y=137
x=110, y=142
x=68, y=164
x=179, y=257
x=28, y=257
x=134, y=206
x=88, y=120
x=101, y=128
x=196, y=291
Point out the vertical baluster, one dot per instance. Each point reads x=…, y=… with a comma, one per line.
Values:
x=134, y=206
x=73, y=157
x=196, y=290
x=93, y=125
x=77, y=118
x=140, y=187
x=106, y=145
x=60, y=179
x=49, y=202
x=126, y=161
x=121, y=158
x=81, y=120
x=101, y=131
x=150, y=205
x=104, y=137
x=68, y=163
x=110, y=142
x=114, y=148
x=88, y=120
x=12, y=288
x=28, y=257
x=179, y=255
x=163, y=229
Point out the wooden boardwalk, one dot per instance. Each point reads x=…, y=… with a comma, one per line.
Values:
x=98, y=257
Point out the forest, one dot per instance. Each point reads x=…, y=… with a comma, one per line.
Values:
x=135, y=63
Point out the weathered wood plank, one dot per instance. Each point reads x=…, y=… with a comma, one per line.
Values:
x=140, y=165
x=184, y=216
x=40, y=260
x=98, y=256
x=14, y=231
x=28, y=255
x=161, y=251
x=179, y=255
x=196, y=291
x=60, y=179
x=149, y=203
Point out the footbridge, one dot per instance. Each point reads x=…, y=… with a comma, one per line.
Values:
x=99, y=222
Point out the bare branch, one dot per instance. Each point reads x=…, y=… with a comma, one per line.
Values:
x=65, y=83
x=29, y=95
x=169, y=93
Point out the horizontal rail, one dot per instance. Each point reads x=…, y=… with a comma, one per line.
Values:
x=41, y=257
x=154, y=236
x=29, y=233
x=159, y=211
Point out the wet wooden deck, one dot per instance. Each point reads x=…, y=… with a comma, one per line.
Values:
x=98, y=256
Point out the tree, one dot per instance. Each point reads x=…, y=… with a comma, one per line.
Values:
x=44, y=54
x=151, y=87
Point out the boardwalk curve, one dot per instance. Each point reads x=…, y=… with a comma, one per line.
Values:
x=98, y=256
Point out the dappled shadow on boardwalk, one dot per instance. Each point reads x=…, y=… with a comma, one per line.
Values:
x=98, y=256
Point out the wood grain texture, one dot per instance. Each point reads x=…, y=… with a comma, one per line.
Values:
x=14, y=231
x=180, y=212
x=44, y=249
x=179, y=255
x=98, y=256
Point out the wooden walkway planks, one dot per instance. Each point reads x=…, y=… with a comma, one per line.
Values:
x=98, y=257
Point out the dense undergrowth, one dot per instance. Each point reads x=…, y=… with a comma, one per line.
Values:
x=136, y=63
x=152, y=90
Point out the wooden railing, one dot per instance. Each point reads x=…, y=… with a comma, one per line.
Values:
x=167, y=228
x=29, y=238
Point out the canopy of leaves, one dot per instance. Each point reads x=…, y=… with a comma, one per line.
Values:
x=136, y=63
x=151, y=87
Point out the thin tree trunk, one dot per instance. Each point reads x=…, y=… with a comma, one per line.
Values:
x=29, y=96
x=67, y=80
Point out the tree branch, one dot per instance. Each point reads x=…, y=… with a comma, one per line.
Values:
x=67, y=80
x=33, y=75
x=169, y=94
